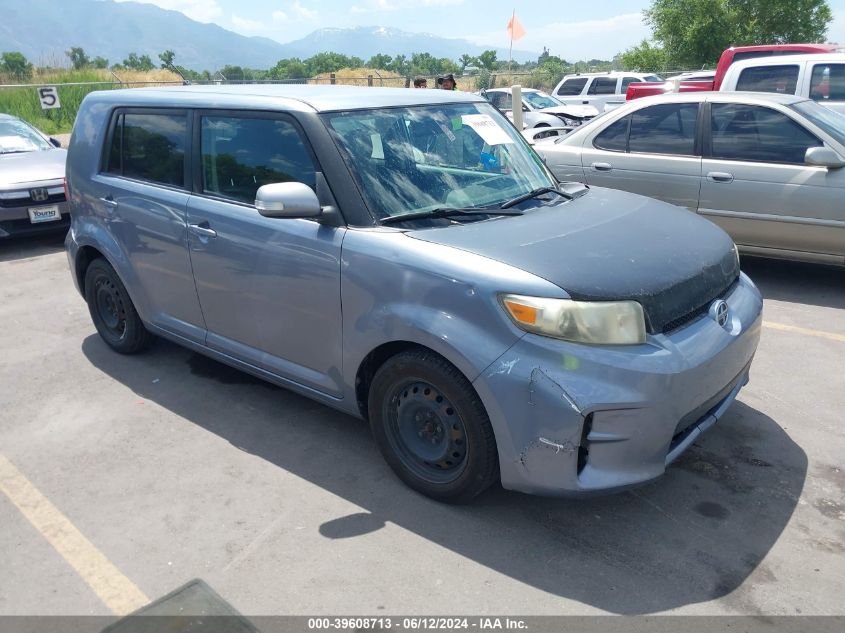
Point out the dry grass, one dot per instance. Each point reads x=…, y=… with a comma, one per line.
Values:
x=358, y=77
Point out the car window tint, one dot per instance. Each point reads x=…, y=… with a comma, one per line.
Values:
x=114, y=165
x=781, y=79
x=502, y=100
x=757, y=133
x=615, y=137
x=239, y=155
x=827, y=82
x=664, y=129
x=153, y=147
x=572, y=86
x=603, y=86
x=626, y=81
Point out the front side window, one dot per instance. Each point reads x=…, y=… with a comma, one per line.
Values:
x=827, y=82
x=417, y=159
x=572, y=87
x=664, y=129
x=780, y=79
x=239, y=155
x=502, y=100
x=756, y=133
x=603, y=86
x=150, y=147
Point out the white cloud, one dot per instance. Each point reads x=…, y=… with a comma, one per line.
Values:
x=279, y=16
x=302, y=12
x=375, y=6
x=573, y=41
x=246, y=26
x=199, y=10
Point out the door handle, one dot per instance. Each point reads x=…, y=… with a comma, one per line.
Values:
x=109, y=201
x=720, y=176
x=203, y=231
x=602, y=166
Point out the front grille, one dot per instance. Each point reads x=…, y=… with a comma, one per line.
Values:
x=697, y=313
x=27, y=201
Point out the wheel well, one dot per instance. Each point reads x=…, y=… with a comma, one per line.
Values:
x=84, y=257
x=371, y=363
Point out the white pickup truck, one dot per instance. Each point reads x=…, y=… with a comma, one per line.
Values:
x=820, y=77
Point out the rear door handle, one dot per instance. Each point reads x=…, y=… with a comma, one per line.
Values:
x=602, y=166
x=720, y=176
x=110, y=202
x=203, y=231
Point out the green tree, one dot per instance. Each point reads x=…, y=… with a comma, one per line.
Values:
x=466, y=60
x=15, y=65
x=487, y=59
x=695, y=32
x=78, y=58
x=380, y=61
x=292, y=68
x=167, y=58
x=100, y=62
x=399, y=65
x=142, y=63
x=644, y=58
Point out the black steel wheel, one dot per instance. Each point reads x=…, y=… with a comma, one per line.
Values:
x=431, y=427
x=112, y=310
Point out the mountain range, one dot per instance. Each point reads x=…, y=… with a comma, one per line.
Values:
x=43, y=29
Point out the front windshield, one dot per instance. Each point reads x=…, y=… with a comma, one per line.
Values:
x=17, y=136
x=541, y=100
x=416, y=159
x=831, y=122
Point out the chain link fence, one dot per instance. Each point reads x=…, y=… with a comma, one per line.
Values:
x=28, y=102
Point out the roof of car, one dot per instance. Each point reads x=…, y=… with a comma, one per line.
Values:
x=509, y=90
x=780, y=60
x=613, y=73
x=281, y=96
x=737, y=97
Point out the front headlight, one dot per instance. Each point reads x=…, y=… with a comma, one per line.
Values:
x=569, y=121
x=595, y=322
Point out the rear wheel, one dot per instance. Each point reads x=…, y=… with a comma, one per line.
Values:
x=431, y=427
x=112, y=310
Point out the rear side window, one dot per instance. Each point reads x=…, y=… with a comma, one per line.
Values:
x=827, y=82
x=572, y=86
x=781, y=79
x=614, y=138
x=239, y=155
x=603, y=86
x=149, y=147
x=757, y=133
x=626, y=81
x=664, y=129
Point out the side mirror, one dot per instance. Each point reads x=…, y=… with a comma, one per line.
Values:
x=287, y=200
x=55, y=142
x=823, y=157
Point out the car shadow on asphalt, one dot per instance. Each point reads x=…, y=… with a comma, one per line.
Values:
x=13, y=249
x=694, y=535
x=797, y=282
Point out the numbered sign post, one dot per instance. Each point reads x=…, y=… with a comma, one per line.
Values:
x=49, y=97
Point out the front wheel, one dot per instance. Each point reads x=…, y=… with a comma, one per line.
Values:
x=431, y=427
x=112, y=310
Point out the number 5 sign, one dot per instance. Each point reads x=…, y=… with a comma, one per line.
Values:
x=49, y=97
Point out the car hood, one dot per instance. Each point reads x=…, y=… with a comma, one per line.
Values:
x=29, y=167
x=610, y=245
x=579, y=111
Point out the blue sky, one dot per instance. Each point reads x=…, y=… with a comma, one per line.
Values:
x=573, y=30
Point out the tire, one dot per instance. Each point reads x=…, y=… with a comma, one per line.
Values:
x=112, y=310
x=431, y=427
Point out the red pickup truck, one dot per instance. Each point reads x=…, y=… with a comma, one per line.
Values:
x=729, y=56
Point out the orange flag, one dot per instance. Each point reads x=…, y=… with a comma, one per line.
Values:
x=515, y=29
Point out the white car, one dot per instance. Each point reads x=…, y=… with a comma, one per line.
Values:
x=541, y=109
x=601, y=90
x=820, y=77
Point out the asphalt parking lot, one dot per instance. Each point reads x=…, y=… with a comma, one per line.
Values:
x=126, y=477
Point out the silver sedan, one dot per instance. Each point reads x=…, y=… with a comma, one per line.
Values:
x=767, y=168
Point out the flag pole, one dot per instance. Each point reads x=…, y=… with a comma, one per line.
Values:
x=510, y=50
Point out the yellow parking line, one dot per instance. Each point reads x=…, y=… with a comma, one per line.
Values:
x=831, y=336
x=117, y=592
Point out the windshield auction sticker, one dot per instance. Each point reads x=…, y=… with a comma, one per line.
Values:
x=487, y=128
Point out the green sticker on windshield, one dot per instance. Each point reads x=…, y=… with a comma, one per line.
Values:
x=457, y=124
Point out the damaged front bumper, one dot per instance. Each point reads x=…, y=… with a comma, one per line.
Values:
x=576, y=419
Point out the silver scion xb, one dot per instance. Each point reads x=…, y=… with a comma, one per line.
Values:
x=767, y=168
x=405, y=257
